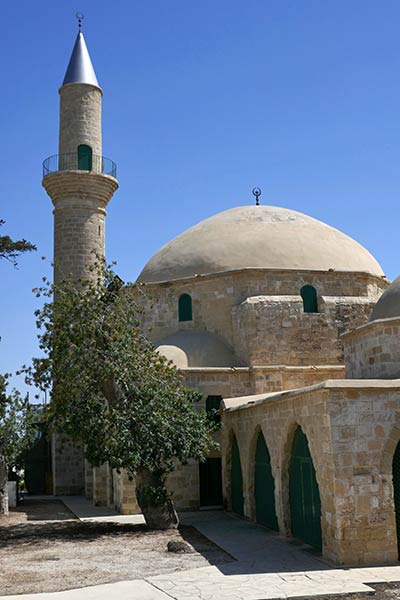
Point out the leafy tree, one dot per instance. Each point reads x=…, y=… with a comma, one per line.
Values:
x=11, y=250
x=16, y=434
x=113, y=392
x=15, y=412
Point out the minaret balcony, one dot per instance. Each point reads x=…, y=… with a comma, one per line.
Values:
x=78, y=162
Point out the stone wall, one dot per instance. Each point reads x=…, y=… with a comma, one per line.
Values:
x=276, y=330
x=352, y=433
x=372, y=351
x=259, y=313
x=68, y=466
x=80, y=118
x=124, y=499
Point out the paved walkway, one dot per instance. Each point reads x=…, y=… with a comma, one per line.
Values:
x=268, y=567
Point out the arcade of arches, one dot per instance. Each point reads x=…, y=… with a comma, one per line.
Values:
x=329, y=463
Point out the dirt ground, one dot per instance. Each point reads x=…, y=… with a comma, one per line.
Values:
x=44, y=548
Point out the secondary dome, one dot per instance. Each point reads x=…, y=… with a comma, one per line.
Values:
x=388, y=305
x=266, y=237
x=196, y=349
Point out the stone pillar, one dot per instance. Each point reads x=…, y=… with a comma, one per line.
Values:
x=124, y=494
x=67, y=466
x=102, y=485
x=88, y=480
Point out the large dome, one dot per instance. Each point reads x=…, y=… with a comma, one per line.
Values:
x=388, y=305
x=266, y=237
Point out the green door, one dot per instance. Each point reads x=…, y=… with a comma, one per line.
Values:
x=264, y=486
x=210, y=482
x=305, y=503
x=396, y=491
x=84, y=158
x=237, y=480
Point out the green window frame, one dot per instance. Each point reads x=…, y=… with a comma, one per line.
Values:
x=185, y=311
x=310, y=299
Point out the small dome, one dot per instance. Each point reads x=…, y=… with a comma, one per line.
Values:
x=388, y=305
x=266, y=237
x=196, y=349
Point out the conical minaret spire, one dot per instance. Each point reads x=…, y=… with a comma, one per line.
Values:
x=80, y=68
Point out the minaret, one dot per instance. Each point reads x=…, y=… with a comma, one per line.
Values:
x=80, y=183
x=79, y=180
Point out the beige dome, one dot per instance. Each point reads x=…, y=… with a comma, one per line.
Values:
x=388, y=305
x=196, y=349
x=266, y=237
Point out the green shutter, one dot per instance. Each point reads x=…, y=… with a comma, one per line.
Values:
x=305, y=503
x=85, y=158
x=264, y=486
x=310, y=300
x=185, y=308
x=237, y=480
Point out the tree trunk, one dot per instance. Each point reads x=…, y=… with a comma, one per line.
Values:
x=154, y=501
x=3, y=487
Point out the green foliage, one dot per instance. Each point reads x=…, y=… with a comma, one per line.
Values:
x=17, y=417
x=11, y=250
x=109, y=388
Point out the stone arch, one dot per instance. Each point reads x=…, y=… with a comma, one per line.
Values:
x=304, y=495
x=250, y=471
x=319, y=463
x=227, y=468
x=262, y=492
x=389, y=450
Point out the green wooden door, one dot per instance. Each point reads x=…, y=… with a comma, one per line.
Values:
x=84, y=158
x=264, y=486
x=210, y=482
x=237, y=480
x=305, y=503
x=396, y=491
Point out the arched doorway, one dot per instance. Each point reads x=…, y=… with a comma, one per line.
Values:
x=84, y=157
x=396, y=491
x=305, y=502
x=264, y=486
x=237, y=480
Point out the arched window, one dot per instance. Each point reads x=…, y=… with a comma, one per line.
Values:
x=84, y=158
x=310, y=301
x=185, y=308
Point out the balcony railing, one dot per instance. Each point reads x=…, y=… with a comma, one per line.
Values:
x=73, y=162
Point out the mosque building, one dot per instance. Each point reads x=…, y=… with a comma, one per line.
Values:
x=285, y=323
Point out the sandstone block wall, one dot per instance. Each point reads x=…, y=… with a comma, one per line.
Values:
x=352, y=433
x=67, y=466
x=273, y=330
x=373, y=351
x=124, y=499
x=80, y=118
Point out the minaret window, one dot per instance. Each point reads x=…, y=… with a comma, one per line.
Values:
x=185, y=308
x=310, y=300
x=84, y=158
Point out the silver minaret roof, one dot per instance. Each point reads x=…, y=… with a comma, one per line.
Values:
x=80, y=68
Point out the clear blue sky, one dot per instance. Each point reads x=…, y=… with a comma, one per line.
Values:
x=202, y=101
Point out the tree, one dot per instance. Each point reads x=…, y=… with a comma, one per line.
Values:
x=111, y=390
x=11, y=250
x=16, y=434
x=15, y=413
